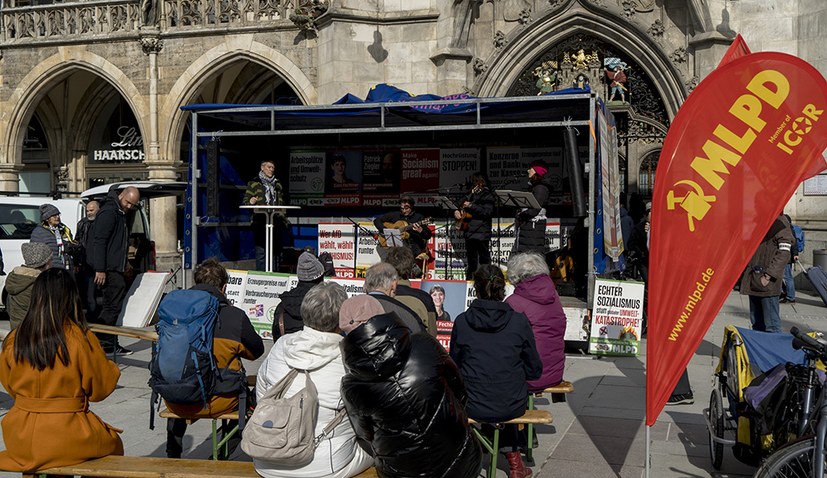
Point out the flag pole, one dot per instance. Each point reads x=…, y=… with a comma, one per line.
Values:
x=646, y=465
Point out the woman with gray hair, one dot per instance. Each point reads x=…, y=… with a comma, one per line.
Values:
x=315, y=348
x=536, y=297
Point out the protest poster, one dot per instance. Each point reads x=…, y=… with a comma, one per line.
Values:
x=367, y=251
x=337, y=238
x=306, y=173
x=235, y=286
x=381, y=174
x=420, y=172
x=260, y=296
x=505, y=168
x=617, y=318
x=455, y=169
x=352, y=286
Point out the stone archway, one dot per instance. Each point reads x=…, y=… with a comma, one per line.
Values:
x=185, y=89
x=524, y=46
x=29, y=95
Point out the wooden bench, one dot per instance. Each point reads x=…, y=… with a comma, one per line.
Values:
x=558, y=394
x=151, y=467
x=220, y=448
x=531, y=417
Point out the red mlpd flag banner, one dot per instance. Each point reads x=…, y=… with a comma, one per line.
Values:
x=749, y=134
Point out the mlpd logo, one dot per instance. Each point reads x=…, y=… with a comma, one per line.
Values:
x=695, y=202
x=732, y=138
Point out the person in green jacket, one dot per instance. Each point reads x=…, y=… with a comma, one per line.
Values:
x=37, y=258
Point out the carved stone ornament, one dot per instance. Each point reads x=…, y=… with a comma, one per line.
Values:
x=151, y=44
x=499, y=39
x=306, y=13
x=479, y=66
x=525, y=16
x=679, y=55
x=692, y=83
x=628, y=8
x=555, y=3
x=656, y=30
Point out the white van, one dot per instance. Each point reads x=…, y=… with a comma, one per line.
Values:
x=20, y=215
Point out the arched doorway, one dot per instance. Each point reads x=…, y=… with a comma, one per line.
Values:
x=646, y=173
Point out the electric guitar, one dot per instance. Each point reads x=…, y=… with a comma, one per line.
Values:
x=403, y=226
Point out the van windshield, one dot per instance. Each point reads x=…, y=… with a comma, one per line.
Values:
x=18, y=221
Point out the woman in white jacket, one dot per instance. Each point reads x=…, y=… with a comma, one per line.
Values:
x=315, y=348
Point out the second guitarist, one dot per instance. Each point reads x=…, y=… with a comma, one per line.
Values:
x=474, y=219
x=417, y=237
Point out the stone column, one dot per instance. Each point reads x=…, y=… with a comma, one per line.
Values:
x=162, y=212
x=10, y=177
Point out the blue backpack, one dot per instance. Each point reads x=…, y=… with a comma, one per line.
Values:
x=799, y=237
x=183, y=369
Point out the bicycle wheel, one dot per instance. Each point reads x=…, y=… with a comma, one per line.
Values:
x=792, y=461
x=716, y=422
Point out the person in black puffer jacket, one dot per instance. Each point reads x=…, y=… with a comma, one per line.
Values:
x=288, y=318
x=405, y=398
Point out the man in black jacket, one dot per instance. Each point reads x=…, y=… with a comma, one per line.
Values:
x=416, y=234
x=288, y=317
x=107, y=256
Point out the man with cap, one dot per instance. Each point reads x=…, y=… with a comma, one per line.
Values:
x=107, y=255
x=288, y=317
x=57, y=236
x=37, y=258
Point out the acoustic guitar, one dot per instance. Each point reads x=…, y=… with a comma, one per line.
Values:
x=403, y=226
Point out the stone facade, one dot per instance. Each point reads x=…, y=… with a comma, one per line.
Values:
x=63, y=63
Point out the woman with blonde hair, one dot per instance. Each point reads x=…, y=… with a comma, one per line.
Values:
x=53, y=366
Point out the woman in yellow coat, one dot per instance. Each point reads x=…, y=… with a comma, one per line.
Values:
x=53, y=366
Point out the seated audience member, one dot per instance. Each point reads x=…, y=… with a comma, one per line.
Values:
x=37, y=258
x=315, y=348
x=288, y=315
x=438, y=295
x=381, y=281
x=493, y=346
x=234, y=338
x=536, y=297
x=402, y=259
x=53, y=366
x=404, y=396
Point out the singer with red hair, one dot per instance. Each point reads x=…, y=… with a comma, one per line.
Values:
x=531, y=222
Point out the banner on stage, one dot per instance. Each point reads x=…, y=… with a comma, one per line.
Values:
x=617, y=318
x=337, y=238
x=257, y=294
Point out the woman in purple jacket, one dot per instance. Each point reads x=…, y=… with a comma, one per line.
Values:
x=536, y=297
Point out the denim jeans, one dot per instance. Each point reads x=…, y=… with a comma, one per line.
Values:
x=789, y=283
x=764, y=313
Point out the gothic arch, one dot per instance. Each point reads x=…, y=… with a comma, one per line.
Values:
x=46, y=74
x=524, y=45
x=216, y=59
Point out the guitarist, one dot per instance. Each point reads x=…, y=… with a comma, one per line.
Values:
x=474, y=219
x=417, y=237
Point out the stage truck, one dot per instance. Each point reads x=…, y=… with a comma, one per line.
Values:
x=343, y=164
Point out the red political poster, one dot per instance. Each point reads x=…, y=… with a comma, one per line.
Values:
x=740, y=145
x=420, y=170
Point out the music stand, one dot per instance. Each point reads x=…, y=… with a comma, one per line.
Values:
x=445, y=203
x=520, y=199
x=393, y=238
